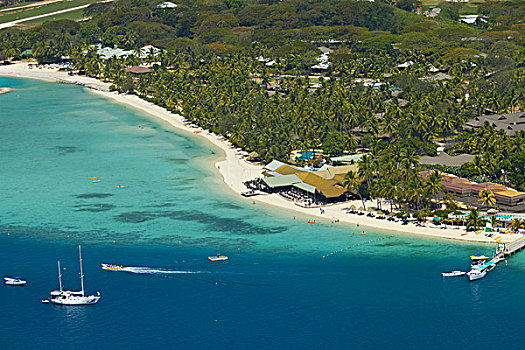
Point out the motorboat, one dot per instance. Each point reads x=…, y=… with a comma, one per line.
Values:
x=453, y=273
x=112, y=267
x=218, y=258
x=478, y=258
x=45, y=301
x=477, y=272
x=66, y=297
x=14, y=281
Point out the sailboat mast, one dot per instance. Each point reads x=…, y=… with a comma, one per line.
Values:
x=81, y=272
x=59, y=276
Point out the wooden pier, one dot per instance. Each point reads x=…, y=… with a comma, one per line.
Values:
x=511, y=248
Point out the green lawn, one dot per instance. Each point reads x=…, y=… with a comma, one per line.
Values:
x=8, y=16
x=435, y=3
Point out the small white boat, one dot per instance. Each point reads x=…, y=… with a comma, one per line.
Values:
x=476, y=273
x=45, y=301
x=14, y=281
x=453, y=273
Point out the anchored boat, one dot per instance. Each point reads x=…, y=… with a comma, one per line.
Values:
x=14, y=281
x=453, y=273
x=67, y=297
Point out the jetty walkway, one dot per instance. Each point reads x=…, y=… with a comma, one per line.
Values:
x=511, y=248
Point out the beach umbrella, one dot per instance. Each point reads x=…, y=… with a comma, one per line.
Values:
x=353, y=207
x=370, y=209
x=380, y=212
x=361, y=208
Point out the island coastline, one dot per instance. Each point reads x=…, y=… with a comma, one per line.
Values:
x=236, y=170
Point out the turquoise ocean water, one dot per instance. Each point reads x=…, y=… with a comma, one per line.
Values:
x=383, y=291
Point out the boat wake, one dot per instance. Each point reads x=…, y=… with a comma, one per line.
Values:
x=156, y=271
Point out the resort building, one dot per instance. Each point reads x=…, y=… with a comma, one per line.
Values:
x=507, y=199
x=348, y=159
x=510, y=123
x=447, y=160
x=306, y=186
x=139, y=70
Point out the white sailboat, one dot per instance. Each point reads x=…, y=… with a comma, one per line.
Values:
x=66, y=297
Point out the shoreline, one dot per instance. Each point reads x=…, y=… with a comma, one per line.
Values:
x=235, y=170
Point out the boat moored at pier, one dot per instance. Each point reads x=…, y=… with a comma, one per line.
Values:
x=477, y=272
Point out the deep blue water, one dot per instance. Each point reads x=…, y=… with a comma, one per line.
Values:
x=276, y=290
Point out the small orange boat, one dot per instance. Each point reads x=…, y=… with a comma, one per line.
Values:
x=119, y=186
x=112, y=267
x=95, y=181
x=93, y=178
x=311, y=222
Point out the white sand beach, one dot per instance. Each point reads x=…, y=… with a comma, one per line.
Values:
x=236, y=170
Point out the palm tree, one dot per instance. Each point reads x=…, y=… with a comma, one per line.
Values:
x=516, y=224
x=494, y=222
x=352, y=183
x=487, y=197
x=433, y=184
x=473, y=219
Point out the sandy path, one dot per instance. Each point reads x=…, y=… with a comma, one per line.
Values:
x=235, y=170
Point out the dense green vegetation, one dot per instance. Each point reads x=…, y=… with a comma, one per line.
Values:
x=216, y=70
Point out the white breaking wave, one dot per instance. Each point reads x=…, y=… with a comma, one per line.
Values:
x=154, y=270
